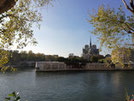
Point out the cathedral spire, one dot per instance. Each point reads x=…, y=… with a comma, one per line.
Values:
x=90, y=42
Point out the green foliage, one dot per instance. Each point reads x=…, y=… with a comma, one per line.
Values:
x=101, y=61
x=113, y=27
x=108, y=61
x=16, y=57
x=3, y=59
x=122, y=55
x=17, y=22
x=127, y=96
x=13, y=97
x=94, y=59
x=16, y=26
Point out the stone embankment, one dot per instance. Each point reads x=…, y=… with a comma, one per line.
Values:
x=61, y=66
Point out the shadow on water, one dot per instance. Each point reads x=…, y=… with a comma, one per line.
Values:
x=59, y=73
x=68, y=85
x=87, y=84
x=108, y=73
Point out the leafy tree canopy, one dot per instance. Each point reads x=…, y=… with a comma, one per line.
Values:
x=114, y=28
x=16, y=25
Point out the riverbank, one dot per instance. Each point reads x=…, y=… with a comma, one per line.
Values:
x=76, y=69
x=61, y=66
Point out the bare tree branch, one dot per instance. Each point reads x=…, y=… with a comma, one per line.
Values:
x=132, y=4
x=5, y=5
x=127, y=31
x=132, y=11
x=130, y=28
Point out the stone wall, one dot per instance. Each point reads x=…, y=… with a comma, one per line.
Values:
x=50, y=66
x=57, y=66
x=96, y=66
x=61, y=66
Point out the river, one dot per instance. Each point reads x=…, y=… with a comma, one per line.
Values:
x=67, y=86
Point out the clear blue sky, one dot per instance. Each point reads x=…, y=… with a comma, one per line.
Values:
x=65, y=29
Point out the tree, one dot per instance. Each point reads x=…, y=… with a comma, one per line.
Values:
x=6, y=5
x=113, y=27
x=94, y=59
x=108, y=61
x=16, y=25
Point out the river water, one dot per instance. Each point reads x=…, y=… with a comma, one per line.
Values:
x=67, y=86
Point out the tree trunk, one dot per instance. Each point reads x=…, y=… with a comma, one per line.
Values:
x=5, y=5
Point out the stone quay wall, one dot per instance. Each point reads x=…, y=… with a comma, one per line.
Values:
x=50, y=66
x=61, y=66
x=96, y=66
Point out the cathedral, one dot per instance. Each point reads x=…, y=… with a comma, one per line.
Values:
x=90, y=50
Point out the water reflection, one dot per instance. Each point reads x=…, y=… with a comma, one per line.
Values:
x=67, y=86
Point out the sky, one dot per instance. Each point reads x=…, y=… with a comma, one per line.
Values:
x=65, y=28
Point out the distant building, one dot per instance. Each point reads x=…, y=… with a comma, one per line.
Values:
x=71, y=55
x=90, y=50
x=50, y=66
